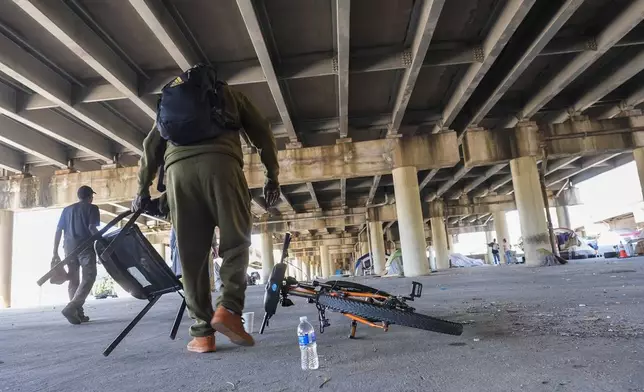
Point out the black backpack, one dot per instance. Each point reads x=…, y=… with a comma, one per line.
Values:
x=192, y=108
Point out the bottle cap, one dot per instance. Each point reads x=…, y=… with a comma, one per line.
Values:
x=303, y=318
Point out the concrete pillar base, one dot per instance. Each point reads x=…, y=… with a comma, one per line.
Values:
x=6, y=257
x=378, y=247
x=267, y=255
x=529, y=199
x=439, y=242
x=325, y=261
x=563, y=217
x=501, y=228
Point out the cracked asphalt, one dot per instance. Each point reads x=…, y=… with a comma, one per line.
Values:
x=578, y=327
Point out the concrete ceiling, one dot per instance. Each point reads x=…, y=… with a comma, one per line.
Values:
x=79, y=78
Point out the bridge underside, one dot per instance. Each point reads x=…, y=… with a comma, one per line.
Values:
x=356, y=92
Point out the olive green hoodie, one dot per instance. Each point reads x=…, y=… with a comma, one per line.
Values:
x=156, y=151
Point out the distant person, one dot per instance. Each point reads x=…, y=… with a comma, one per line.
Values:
x=78, y=222
x=506, y=251
x=495, y=251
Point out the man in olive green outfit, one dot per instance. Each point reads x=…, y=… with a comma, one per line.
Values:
x=206, y=187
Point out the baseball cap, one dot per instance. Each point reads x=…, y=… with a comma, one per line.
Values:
x=84, y=192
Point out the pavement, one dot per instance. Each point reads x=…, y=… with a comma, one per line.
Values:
x=578, y=327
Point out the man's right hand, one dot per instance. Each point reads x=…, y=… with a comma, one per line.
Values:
x=55, y=259
x=140, y=202
x=271, y=192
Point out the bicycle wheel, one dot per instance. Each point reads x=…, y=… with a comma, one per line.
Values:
x=356, y=287
x=391, y=316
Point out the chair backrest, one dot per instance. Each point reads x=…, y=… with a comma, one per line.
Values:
x=136, y=266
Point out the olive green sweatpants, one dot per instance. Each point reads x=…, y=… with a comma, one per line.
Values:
x=205, y=191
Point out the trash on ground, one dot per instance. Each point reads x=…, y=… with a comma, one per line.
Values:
x=326, y=380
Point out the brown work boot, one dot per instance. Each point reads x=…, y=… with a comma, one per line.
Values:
x=205, y=344
x=230, y=324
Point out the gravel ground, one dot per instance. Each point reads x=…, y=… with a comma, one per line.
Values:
x=578, y=327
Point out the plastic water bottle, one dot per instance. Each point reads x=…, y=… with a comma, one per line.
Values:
x=308, y=347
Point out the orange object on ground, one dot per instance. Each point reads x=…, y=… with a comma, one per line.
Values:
x=622, y=254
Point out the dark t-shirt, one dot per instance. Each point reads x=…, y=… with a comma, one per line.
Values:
x=75, y=221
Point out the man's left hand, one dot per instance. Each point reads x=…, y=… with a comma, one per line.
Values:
x=140, y=202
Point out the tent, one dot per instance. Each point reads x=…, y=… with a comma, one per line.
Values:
x=394, y=265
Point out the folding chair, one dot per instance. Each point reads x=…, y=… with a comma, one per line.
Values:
x=135, y=265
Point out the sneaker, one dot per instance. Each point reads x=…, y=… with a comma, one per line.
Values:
x=202, y=345
x=81, y=316
x=230, y=324
x=71, y=314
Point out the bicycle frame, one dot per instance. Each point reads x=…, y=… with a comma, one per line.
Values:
x=280, y=287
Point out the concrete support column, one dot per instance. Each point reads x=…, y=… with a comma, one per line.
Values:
x=267, y=255
x=299, y=264
x=489, y=236
x=309, y=268
x=291, y=268
x=563, y=217
x=527, y=191
x=638, y=154
x=432, y=259
x=364, y=243
x=410, y=221
x=450, y=243
x=439, y=242
x=6, y=257
x=501, y=228
x=377, y=247
x=160, y=248
x=326, y=261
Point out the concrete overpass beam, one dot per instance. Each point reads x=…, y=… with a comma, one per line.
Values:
x=439, y=242
x=630, y=17
x=481, y=107
x=500, y=33
x=349, y=160
x=165, y=29
x=31, y=142
x=26, y=69
x=251, y=21
x=11, y=160
x=377, y=247
x=427, y=21
x=6, y=257
x=63, y=23
x=576, y=137
x=410, y=221
x=617, y=77
x=342, y=19
x=527, y=190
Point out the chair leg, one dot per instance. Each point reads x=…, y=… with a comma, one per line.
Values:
x=130, y=326
x=177, y=320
